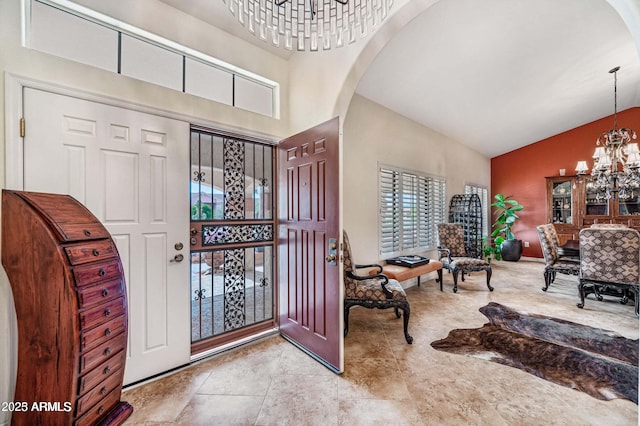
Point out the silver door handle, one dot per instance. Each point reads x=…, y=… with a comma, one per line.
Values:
x=177, y=258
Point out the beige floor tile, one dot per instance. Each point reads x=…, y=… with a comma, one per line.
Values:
x=386, y=381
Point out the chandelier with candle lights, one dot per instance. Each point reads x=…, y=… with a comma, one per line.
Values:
x=616, y=168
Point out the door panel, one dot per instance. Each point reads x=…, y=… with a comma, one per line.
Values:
x=129, y=169
x=310, y=287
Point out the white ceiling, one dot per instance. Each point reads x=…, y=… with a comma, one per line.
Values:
x=493, y=74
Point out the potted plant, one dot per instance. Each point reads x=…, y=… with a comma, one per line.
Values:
x=510, y=247
x=490, y=251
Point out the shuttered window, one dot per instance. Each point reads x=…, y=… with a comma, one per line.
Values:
x=411, y=205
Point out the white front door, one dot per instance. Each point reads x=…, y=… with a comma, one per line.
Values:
x=129, y=169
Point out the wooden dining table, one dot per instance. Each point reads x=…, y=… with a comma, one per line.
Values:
x=570, y=249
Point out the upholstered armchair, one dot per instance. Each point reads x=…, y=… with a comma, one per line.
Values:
x=554, y=264
x=372, y=290
x=610, y=258
x=454, y=257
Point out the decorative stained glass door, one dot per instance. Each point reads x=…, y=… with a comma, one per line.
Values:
x=232, y=238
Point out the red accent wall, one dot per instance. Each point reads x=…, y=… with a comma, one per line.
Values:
x=521, y=172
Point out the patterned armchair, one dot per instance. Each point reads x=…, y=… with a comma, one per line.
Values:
x=454, y=257
x=553, y=262
x=610, y=258
x=372, y=291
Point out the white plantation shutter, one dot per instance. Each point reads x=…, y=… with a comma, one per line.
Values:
x=437, y=197
x=483, y=193
x=410, y=207
x=389, y=211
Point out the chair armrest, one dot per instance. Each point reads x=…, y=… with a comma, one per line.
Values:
x=384, y=280
x=372, y=265
x=444, y=250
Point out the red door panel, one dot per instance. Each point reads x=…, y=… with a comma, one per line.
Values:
x=310, y=301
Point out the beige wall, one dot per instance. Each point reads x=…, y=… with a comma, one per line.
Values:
x=314, y=88
x=373, y=135
x=16, y=60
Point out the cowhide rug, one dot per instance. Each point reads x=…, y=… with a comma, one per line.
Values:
x=599, y=362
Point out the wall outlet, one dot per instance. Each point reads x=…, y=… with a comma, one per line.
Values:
x=526, y=243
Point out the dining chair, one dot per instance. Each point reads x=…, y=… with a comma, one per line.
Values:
x=610, y=258
x=554, y=264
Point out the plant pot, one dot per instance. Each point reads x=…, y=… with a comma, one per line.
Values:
x=511, y=250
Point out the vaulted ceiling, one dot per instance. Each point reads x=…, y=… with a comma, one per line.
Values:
x=497, y=74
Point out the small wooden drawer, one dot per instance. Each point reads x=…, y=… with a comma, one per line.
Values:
x=106, y=350
x=101, y=372
x=100, y=293
x=97, y=393
x=90, y=274
x=102, y=313
x=100, y=334
x=100, y=409
x=90, y=252
x=82, y=231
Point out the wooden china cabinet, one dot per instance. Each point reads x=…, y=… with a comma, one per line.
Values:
x=572, y=205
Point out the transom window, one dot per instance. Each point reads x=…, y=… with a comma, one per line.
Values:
x=411, y=205
x=65, y=29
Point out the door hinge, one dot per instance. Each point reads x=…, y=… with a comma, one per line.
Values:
x=22, y=126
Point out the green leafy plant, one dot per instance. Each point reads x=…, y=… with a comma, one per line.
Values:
x=491, y=251
x=506, y=216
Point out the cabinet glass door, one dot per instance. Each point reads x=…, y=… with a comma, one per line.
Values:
x=629, y=206
x=595, y=205
x=562, y=202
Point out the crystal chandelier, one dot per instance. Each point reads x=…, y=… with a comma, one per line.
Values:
x=310, y=24
x=616, y=160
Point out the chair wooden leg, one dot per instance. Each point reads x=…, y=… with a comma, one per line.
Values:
x=455, y=281
x=581, y=292
x=346, y=319
x=489, y=279
x=406, y=313
x=547, y=280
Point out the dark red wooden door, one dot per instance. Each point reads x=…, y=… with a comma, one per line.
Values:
x=310, y=301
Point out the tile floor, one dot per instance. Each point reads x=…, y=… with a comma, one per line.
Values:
x=388, y=382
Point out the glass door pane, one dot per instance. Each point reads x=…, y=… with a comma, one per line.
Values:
x=596, y=204
x=562, y=202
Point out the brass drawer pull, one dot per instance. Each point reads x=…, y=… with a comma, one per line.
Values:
x=103, y=391
x=106, y=370
x=107, y=332
x=87, y=233
x=95, y=252
x=107, y=352
x=105, y=292
x=107, y=312
x=101, y=410
x=102, y=272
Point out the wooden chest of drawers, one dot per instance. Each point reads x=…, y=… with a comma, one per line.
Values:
x=69, y=291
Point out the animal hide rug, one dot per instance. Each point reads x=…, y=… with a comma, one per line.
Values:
x=599, y=362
